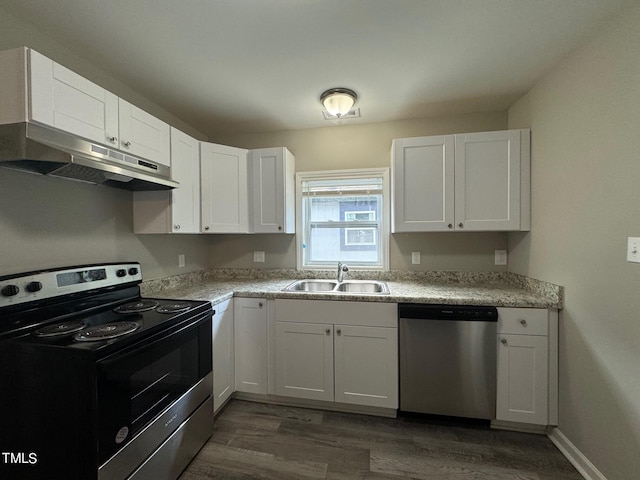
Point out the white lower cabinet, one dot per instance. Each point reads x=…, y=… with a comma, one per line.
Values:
x=319, y=359
x=250, y=333
x=223, y=353
x=527, y=366
x=366, y=365
x=304, y=360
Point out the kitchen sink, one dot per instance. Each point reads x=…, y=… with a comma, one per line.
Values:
x=312, y=286
x=362, y=287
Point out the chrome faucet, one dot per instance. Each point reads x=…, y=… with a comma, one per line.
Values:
x=342, y=268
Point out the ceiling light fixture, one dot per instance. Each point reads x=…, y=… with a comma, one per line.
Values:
x=338, y=101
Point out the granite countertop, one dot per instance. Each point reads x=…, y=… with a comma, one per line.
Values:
x=492, y=288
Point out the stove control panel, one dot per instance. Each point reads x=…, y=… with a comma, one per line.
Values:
x=40, y=285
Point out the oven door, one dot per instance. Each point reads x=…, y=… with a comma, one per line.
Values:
x=167, y=377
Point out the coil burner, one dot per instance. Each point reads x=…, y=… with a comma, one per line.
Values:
x=136, y=307
x=106, y=331
x=59, y=329
x=176, y=307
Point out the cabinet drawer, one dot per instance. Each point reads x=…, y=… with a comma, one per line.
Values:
x=370, y=314
x=523, y=321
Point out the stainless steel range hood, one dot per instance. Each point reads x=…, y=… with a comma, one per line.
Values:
x=46, y=151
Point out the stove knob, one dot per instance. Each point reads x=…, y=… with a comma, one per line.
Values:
x=34, y=287
x=133, y=271
x=10, y=290
x=121, y=273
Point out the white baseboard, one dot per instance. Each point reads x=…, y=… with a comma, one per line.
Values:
x=587, y=469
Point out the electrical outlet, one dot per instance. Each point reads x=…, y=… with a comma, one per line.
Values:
x=415, y=258
x=258, y=257
x=500, y=257
x=181, y=260
x=633, y=249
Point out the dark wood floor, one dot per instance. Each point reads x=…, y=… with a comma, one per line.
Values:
x=253, y=440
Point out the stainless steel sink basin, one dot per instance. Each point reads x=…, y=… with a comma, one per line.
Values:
x=362, y=287
x=312, y=286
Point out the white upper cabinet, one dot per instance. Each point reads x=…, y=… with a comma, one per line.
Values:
x=63, y=99
x=224, y=187
x=185, y=169
x=37, y=89
x=143, y=135
x=487, y=178
x=463, y=182
x=273, y=190
x=423, y=183
x=177, y=210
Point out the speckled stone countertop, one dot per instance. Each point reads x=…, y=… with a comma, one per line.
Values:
x=502, y=289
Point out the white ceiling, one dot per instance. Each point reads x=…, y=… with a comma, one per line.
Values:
x=240, y=66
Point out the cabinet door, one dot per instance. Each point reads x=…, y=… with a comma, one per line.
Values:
x=487, y=171
x=522, y=386
x=304, y=360
x=223, y=357
x=63, y=99
x=185, y=169
x=225, y=201
x=423, y=184
x=366, y=366
x=250, y=332
x=142, y=134
x=273, y=194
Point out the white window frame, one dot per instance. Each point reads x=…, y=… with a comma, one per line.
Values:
x=339, y=175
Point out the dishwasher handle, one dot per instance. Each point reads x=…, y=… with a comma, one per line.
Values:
x=470, y=313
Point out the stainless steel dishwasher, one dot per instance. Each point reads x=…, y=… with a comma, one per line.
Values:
x=448, y=360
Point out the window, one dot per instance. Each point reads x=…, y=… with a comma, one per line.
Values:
x=343, y=218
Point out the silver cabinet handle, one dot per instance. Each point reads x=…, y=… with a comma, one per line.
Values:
x=279, y=227
x=260, y=305
x=504, y=341
x=113, y=139
x=523, y=321
x=177, y=227
x=461, y=225
x=450, y=225
x=206, y=228
x=328, y=331
x=338, y=332
x=126, y=144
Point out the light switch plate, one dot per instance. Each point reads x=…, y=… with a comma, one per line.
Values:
x=633, y=249
x=181, y=260
x=500, y=257
x=258, y=257
x=415, y=258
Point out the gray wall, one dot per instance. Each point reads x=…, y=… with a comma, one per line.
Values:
x=359, y=146
x=585, y=120
x=49, y=222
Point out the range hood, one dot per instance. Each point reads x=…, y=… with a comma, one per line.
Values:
x=33, y=148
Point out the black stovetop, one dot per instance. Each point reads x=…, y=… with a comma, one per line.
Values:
x=20, y=328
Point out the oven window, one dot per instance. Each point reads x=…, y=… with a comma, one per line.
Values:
x=135, y=388
x=160, y=382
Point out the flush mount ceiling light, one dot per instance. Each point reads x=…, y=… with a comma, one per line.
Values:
x=338, y=101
